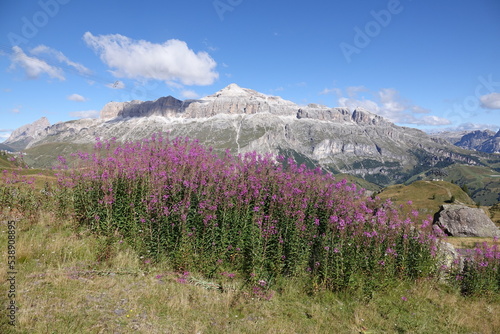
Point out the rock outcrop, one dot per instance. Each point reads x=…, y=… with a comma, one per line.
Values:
x=463, y=221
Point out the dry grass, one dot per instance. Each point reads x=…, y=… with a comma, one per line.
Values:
x=469, y=242
x=62, y=288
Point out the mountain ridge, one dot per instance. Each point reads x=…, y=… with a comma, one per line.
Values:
x=479, y=140
x=357, y=142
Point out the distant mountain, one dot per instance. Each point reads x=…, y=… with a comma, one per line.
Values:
x=23, y=136
x=452, y=137
x=357, y=142
x=483, y=141
x=491, y=145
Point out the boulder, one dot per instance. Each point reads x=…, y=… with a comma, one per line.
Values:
x=464, y=221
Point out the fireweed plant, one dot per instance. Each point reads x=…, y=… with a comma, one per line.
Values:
x=479, y=271
x=264, y=217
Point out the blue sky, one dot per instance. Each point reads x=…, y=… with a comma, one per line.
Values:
x=433, y=65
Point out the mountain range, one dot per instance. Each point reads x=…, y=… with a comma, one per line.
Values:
x=339, y=140
x=478, y=140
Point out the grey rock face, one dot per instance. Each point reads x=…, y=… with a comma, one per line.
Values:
x=325, y=114
x=463, y=221
x=449, y=257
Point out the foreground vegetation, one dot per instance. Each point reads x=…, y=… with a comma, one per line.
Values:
x=163, y=236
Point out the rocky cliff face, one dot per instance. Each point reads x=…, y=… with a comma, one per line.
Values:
x=357, y=142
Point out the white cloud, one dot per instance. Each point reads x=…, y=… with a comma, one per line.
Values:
x=189, y=94
x=389, y=104
x=354, y=90
x=490, y=101
x=76, y=98
x=431, y=120
x=42, y=49
x=85, y=114
x=470, y=127
x=17, y=109
x=354, y=104
x=419, y=110
x=33, y=66
x=4, y=134
x=116, y=85
x=209, y=46
x=170, y=61
x=475, y=126
x=174, y=85
x=335, y=91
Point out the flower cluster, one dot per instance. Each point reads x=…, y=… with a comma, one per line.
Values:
x=254, y=214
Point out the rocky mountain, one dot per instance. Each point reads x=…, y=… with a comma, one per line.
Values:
x=450, y=136
x=357, y=142
x=230, y=100
x=484, y=141
x=491, y=145
x=23, y=136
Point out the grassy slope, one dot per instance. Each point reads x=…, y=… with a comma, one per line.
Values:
x=427, y=196
x=45, y=155
x=40, y=176
x=62, y=287
x=483, y=182
x=4, y=162
x=361, y=183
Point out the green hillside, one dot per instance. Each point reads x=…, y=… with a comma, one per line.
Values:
x=482, y=182
x=45, y=155
x=427, y=196
x=359, y=182
x=4, y=163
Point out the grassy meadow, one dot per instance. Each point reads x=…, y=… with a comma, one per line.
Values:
x=163, y=236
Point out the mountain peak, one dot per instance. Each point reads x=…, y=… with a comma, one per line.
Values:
x=20, y=137
x=235, y=90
